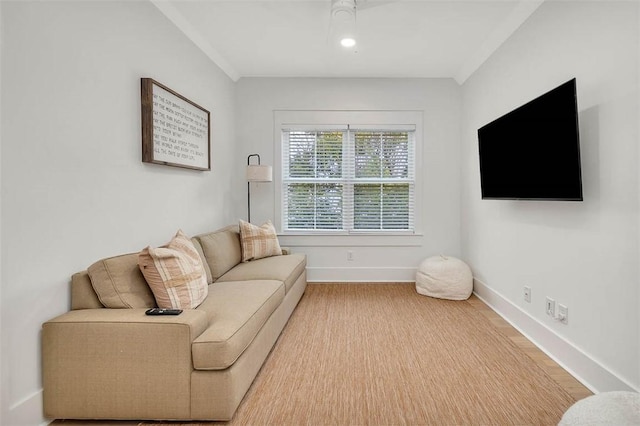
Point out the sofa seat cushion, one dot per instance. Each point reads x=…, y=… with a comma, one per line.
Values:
x=282, y=268
x=237, y=310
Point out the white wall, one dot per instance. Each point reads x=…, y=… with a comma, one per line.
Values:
x=582, y=254
x=74, y=188
x=375, y=258
x=638, y=130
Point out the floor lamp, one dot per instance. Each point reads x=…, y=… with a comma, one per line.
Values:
x=256, y=173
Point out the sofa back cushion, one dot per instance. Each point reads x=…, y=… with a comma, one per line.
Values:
x=119, y=283
x=205, y=265
x=221, y=250
x=83, y=296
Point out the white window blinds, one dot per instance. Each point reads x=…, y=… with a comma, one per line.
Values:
x=348, y=178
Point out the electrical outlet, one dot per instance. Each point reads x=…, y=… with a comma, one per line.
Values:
x=563, y=314
x=350, y=255
x=550, y=307
x=527, y=294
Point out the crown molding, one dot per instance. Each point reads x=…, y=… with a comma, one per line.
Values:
x=521, y=12
x=196, y=37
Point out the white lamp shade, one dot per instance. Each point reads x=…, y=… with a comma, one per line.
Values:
x=258, y=173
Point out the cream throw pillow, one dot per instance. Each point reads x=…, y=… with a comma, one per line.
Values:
x=175, y=273
x=258, y=241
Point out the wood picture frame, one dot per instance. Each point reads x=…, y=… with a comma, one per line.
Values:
x=175, y=131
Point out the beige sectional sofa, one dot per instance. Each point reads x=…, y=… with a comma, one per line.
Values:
x=106, y=359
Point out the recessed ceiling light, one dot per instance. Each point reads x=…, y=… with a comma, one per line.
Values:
x=348, y=42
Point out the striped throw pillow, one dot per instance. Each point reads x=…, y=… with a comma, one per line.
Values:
x=258, y=241
x=175, y=273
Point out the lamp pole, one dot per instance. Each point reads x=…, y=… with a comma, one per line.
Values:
x=249, y=187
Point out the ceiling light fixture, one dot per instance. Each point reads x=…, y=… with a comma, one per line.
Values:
x=343, y=10
x=348, y=42
x=343, y=21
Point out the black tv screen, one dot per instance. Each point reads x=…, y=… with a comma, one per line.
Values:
x=533, y=152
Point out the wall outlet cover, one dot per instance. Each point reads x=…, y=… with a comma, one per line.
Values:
x=563, y=314
x=550, y=307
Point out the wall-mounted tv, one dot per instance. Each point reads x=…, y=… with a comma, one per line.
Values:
x=533, y=152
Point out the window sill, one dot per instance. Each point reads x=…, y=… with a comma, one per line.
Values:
x=386, y=239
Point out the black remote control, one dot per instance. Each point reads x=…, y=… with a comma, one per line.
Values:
x=163, y=311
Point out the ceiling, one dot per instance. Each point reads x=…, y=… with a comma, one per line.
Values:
x=395, y=38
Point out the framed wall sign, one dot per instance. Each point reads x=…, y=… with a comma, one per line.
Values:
x=175, y=131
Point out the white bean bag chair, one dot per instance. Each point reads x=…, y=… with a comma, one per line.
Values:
x=444, y=277
x=617, y=408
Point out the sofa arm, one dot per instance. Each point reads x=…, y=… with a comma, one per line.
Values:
x=196, y=321
x=117, y=363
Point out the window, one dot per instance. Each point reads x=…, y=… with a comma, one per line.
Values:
x=348, y=178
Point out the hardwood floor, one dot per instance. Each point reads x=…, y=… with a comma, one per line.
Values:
x=555, y=371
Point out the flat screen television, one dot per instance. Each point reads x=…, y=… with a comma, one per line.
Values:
x=533, y=152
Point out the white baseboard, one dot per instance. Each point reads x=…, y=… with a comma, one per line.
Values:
x=576, y=361
x=26, y=412
x=361, y=274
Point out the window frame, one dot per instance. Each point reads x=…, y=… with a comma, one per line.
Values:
x=324, y=119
